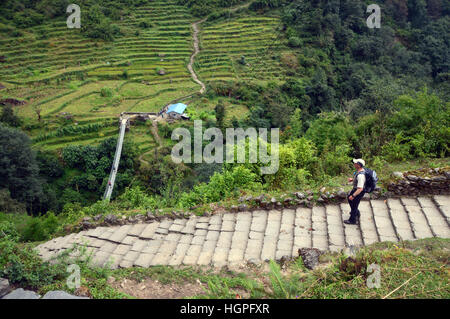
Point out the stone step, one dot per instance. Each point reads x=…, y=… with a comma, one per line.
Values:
x=352, y=233
x=383, y=221
x=400, y=219
x=257, y=236
x=417, y=218
x=335, y=228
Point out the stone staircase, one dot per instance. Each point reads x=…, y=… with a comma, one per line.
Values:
x=259, y=235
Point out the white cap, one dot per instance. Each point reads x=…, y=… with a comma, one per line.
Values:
x=359, y=161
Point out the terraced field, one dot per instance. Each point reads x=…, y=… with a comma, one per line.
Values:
x=61, y=50
x=223, y=44
x=58, y=71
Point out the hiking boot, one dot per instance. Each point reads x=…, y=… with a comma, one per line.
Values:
x=349, y=222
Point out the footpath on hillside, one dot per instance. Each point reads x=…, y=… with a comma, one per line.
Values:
x=113, y=173
x=233, y=239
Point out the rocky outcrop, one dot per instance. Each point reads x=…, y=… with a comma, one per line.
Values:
x=22, y=294
x=310, y=257
x=4, y=287
x=421, y=182
x=27, y=294
x=59, y=294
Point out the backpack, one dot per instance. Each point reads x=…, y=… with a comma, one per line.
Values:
x=371, y=180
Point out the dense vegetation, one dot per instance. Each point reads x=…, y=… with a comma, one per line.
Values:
x=335, y=88
x=44, y=182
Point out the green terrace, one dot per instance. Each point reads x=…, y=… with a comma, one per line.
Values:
x=224, y=43
x=40, y=59
x=59, y=71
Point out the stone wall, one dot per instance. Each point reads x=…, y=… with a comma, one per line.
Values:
x=421, y=182
x=412, y=183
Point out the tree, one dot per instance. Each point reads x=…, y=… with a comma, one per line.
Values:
x=417, y=13
x=434, y=8
x=9, y=205
x=18, y=168
x=322, y=96
x=37, y=109
x=220, y=114
x=399, y=9
x=9, y=118
x=296, y=123
x=433, y=43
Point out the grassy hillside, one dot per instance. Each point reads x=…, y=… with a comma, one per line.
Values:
x=56, y=69
x=335, y=88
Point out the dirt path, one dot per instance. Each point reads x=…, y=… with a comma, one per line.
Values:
x=197, y=47
x=154, y=130
x=196, y=51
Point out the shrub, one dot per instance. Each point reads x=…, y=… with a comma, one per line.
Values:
x=145, y=24
x=17, y=33
x=27, y=18
x=106, y=92
x=423, y=121
x=292, y=162
x=9, y=205
x=336, y=161
x=8, y=231
x=295, y=42
x=290, y=60
x=221, y=186
x=135, y=198
x=9, y=118
x=40, y=228
x=21, y=265
x=396, y=150
x=331, y=128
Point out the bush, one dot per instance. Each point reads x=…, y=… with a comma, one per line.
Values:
x=423, y=121
x=135, y=198
x=331, y=129
x=106, y=92
x=9, y=205
x=9, y=118
x=8, y=231
x=293, y=162
x=221, y=186
x=295, y=42
x=27, y=18
x=40, y=228
x=22, y=266
x=145, y=24
x=396, y=150
x=336, y=161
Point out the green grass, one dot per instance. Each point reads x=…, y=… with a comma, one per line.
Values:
x=411, y=269
x=65, y=72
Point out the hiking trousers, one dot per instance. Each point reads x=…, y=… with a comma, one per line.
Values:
x=354, y=212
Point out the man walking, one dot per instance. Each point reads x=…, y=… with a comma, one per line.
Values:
x=359, y=179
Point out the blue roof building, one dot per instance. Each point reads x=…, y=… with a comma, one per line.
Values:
x=177, y=108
